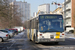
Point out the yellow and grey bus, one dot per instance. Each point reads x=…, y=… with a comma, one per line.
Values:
x=46, y=28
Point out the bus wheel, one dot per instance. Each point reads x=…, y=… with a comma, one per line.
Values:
x=34, y=39
x=30, y=40
x=56, y=42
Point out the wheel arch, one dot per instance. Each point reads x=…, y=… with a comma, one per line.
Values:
x=2, y=39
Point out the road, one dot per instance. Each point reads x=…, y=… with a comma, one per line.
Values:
x=20, y=42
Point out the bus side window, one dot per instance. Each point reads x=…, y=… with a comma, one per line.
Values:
x=31, y=24
x=37, y=24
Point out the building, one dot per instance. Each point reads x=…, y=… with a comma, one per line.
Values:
x=23, y=8
x=11, y=1
x=51, y=12
x=34, y=14
x=73, y=13
x=44, y=9
x=59, y=10
x=69, y=10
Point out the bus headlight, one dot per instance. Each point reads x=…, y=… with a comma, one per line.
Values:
x=40, y=36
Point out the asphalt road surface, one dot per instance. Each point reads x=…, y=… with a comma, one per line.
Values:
x=20, y=42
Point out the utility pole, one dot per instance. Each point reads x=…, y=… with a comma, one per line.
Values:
x=54, y=3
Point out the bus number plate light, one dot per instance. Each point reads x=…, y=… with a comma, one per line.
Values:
x=52, y=40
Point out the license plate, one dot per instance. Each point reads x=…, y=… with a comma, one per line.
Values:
x=52, y=36
x=52, y=40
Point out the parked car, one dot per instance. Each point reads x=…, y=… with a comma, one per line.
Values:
x=3, y=36
x=15, y=31
x=18, y=29
x=23, y=29
x=9, y=32
x=71, y=31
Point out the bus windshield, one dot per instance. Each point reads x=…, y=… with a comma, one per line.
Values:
x=51, y=23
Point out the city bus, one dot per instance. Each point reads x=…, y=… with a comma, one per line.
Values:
x=46, y=28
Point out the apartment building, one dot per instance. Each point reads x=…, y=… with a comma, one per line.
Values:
x=44, y=9
x=69, y=6
x=23, y=8
x=11, y=0
x=34, y=14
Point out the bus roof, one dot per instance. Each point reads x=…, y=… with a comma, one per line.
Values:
x=42, y=14
x=50, y=14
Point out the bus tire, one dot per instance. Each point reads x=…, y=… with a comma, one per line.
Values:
x=30, y=40
x=56, y=42
x=34, y=39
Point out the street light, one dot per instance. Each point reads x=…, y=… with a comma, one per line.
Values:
x=57, y=4
x=54, y=3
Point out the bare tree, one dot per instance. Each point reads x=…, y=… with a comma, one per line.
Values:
x=9, y=16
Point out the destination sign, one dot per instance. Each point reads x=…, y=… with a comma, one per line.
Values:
x=48, y=17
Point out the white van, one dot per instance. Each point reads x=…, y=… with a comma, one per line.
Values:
x=19, y=30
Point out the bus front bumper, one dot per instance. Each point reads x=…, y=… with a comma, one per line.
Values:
x=51, y=40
